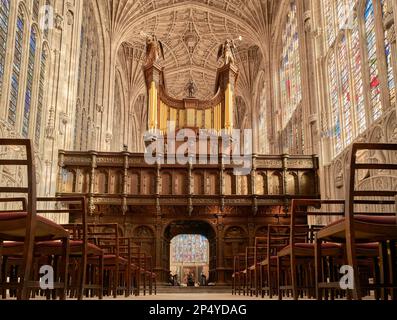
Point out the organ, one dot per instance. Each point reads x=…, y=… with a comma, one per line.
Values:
x=212, y=115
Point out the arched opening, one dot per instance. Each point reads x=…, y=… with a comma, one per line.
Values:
x=189, y=259
x=191, y=249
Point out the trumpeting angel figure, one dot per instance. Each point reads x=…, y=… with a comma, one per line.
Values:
x=154, y=49
x=227, y=51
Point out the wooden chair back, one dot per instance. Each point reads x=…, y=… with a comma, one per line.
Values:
x=311, y=207
x=260, y=251
x=375, y=196
x=29, y=190
x=277, y=238
x=105, y=236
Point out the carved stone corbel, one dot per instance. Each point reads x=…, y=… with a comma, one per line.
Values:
x=63, y=121
x=58, y=22
x=108, y=137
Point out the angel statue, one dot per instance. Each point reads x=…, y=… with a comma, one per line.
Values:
x=154, y=49
x=227, y=51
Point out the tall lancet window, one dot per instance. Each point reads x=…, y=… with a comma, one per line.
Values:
x=4, y=19
x=375, y=88
x=329, y=17
x=290, y=72
x=36, y=9
x=29, y=83
x=345, y=90
x=334, y=101
x=16, y=68
x=347, y=115
x=263, y=125
x=356, y=63
x=388, y=50
x=40, y=99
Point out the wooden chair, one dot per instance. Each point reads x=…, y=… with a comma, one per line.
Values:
x=277, y=238
x=147, y=276
x=86, y=267
x=247, y=273
x=296, y=261
x=238, y=276
x=148, y=267
x=106, y=236
x=260, y=254
x=125, y=248
x=137, y=267
x=24, y=225
x=367, y=227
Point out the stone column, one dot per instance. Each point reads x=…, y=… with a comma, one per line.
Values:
x=307, y=59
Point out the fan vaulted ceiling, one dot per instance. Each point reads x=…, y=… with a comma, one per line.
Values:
x=191, y=31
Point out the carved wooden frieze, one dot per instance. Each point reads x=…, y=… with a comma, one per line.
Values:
x=300, y=164
x=110, y=161
x=238, y=202
x=273, y=164
x=77, y=161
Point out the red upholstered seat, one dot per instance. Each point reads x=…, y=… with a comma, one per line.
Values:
x=74, y=244
x=13, y=226
x=368, y=246
x=266, y=261
x=112, y=259
x=12, y=244
x=75, y=247
x=377, y=219
x=325, y=245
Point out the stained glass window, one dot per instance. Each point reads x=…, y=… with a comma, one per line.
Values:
x=345, y=91
x=373, y=61
x=189, y=248
x=4, y=16
x=36, y=8
x=302, y=135
x=290, y=73
x=40, y=100
x=46, y=30
x=341, y=13
x=356, y=63
x=29, y=84
x=334, y=101
x=16, y=69
x=329, y=21
x=263, y=129
x=388, y=49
